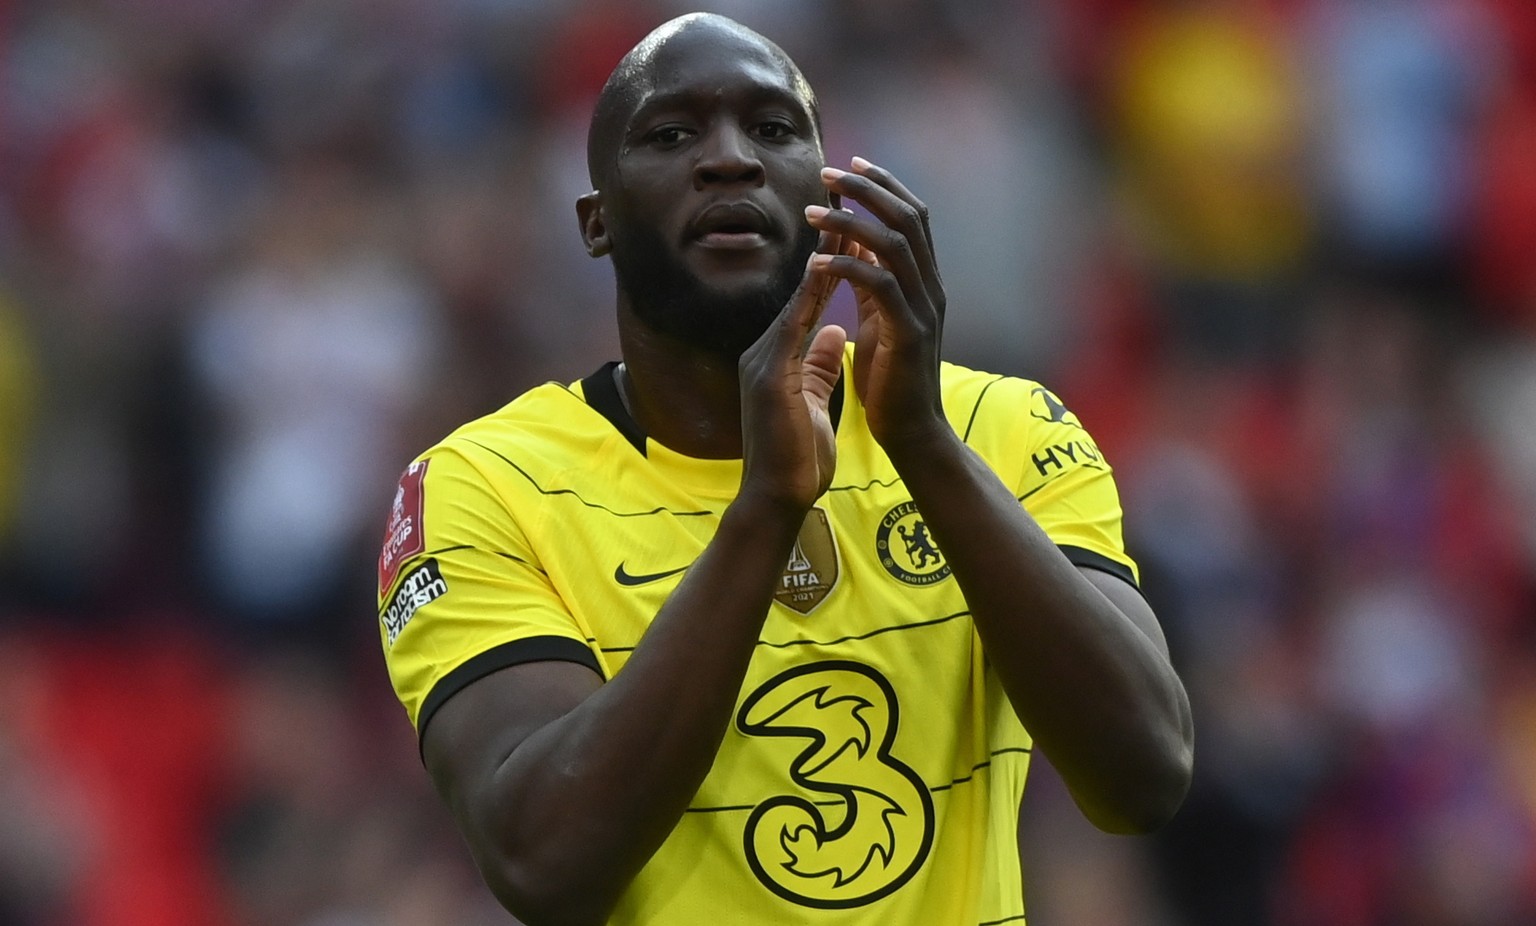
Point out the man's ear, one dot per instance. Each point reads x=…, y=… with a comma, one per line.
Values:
x=594, y=228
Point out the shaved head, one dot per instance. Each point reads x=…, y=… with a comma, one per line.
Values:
x=704, y=150
x=636, y=74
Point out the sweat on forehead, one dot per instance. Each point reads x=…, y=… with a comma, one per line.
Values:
x=637, y=72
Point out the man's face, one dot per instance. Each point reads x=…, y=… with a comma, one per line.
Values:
x=705, y=207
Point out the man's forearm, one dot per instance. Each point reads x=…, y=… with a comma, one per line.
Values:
x=1096, y=692
x=583, y=803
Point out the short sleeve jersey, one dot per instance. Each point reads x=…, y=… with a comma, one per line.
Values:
x=873, y=767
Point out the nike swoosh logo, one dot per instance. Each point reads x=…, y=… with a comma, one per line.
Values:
x=624, y=578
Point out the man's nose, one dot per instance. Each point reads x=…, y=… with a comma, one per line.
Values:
x=728, y=156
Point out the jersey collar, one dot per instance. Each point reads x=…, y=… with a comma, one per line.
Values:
x=602, y=393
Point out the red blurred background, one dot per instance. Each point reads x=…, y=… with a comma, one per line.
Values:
x=1278, y=255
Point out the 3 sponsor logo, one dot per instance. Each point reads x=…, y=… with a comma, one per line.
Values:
x=870, y=828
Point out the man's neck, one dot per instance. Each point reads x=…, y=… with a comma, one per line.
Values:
x=686, y=398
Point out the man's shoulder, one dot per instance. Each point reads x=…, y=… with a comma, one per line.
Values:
x=550, y=426
x=973, y=397
x=540, y=404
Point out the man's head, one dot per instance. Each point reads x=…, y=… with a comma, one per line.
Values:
x=704, y=149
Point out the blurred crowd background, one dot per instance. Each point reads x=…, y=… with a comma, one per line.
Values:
x=1278, y=255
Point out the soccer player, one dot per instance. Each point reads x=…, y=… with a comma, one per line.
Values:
x=757, y=625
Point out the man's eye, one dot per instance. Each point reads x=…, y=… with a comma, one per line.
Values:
x=668, y=135
x=775, y=129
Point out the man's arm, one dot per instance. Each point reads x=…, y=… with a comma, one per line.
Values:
x=1079, y=653
x=564, y=786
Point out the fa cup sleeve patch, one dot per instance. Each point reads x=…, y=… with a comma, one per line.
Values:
x=403, y=536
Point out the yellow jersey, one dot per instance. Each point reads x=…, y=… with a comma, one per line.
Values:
x=873, y=768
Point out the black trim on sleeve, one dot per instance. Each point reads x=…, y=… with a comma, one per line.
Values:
x=517, y=652
x=1078, y=556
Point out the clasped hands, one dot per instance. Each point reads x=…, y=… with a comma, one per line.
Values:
x=788, y=376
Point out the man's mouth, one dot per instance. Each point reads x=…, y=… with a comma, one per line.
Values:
x=733, y=240
x=732, y=227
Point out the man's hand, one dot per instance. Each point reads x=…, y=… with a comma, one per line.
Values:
x=789, y=449
x=1078, y=651
x=890, y=263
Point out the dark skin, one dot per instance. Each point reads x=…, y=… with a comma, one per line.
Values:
x=565, y=785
